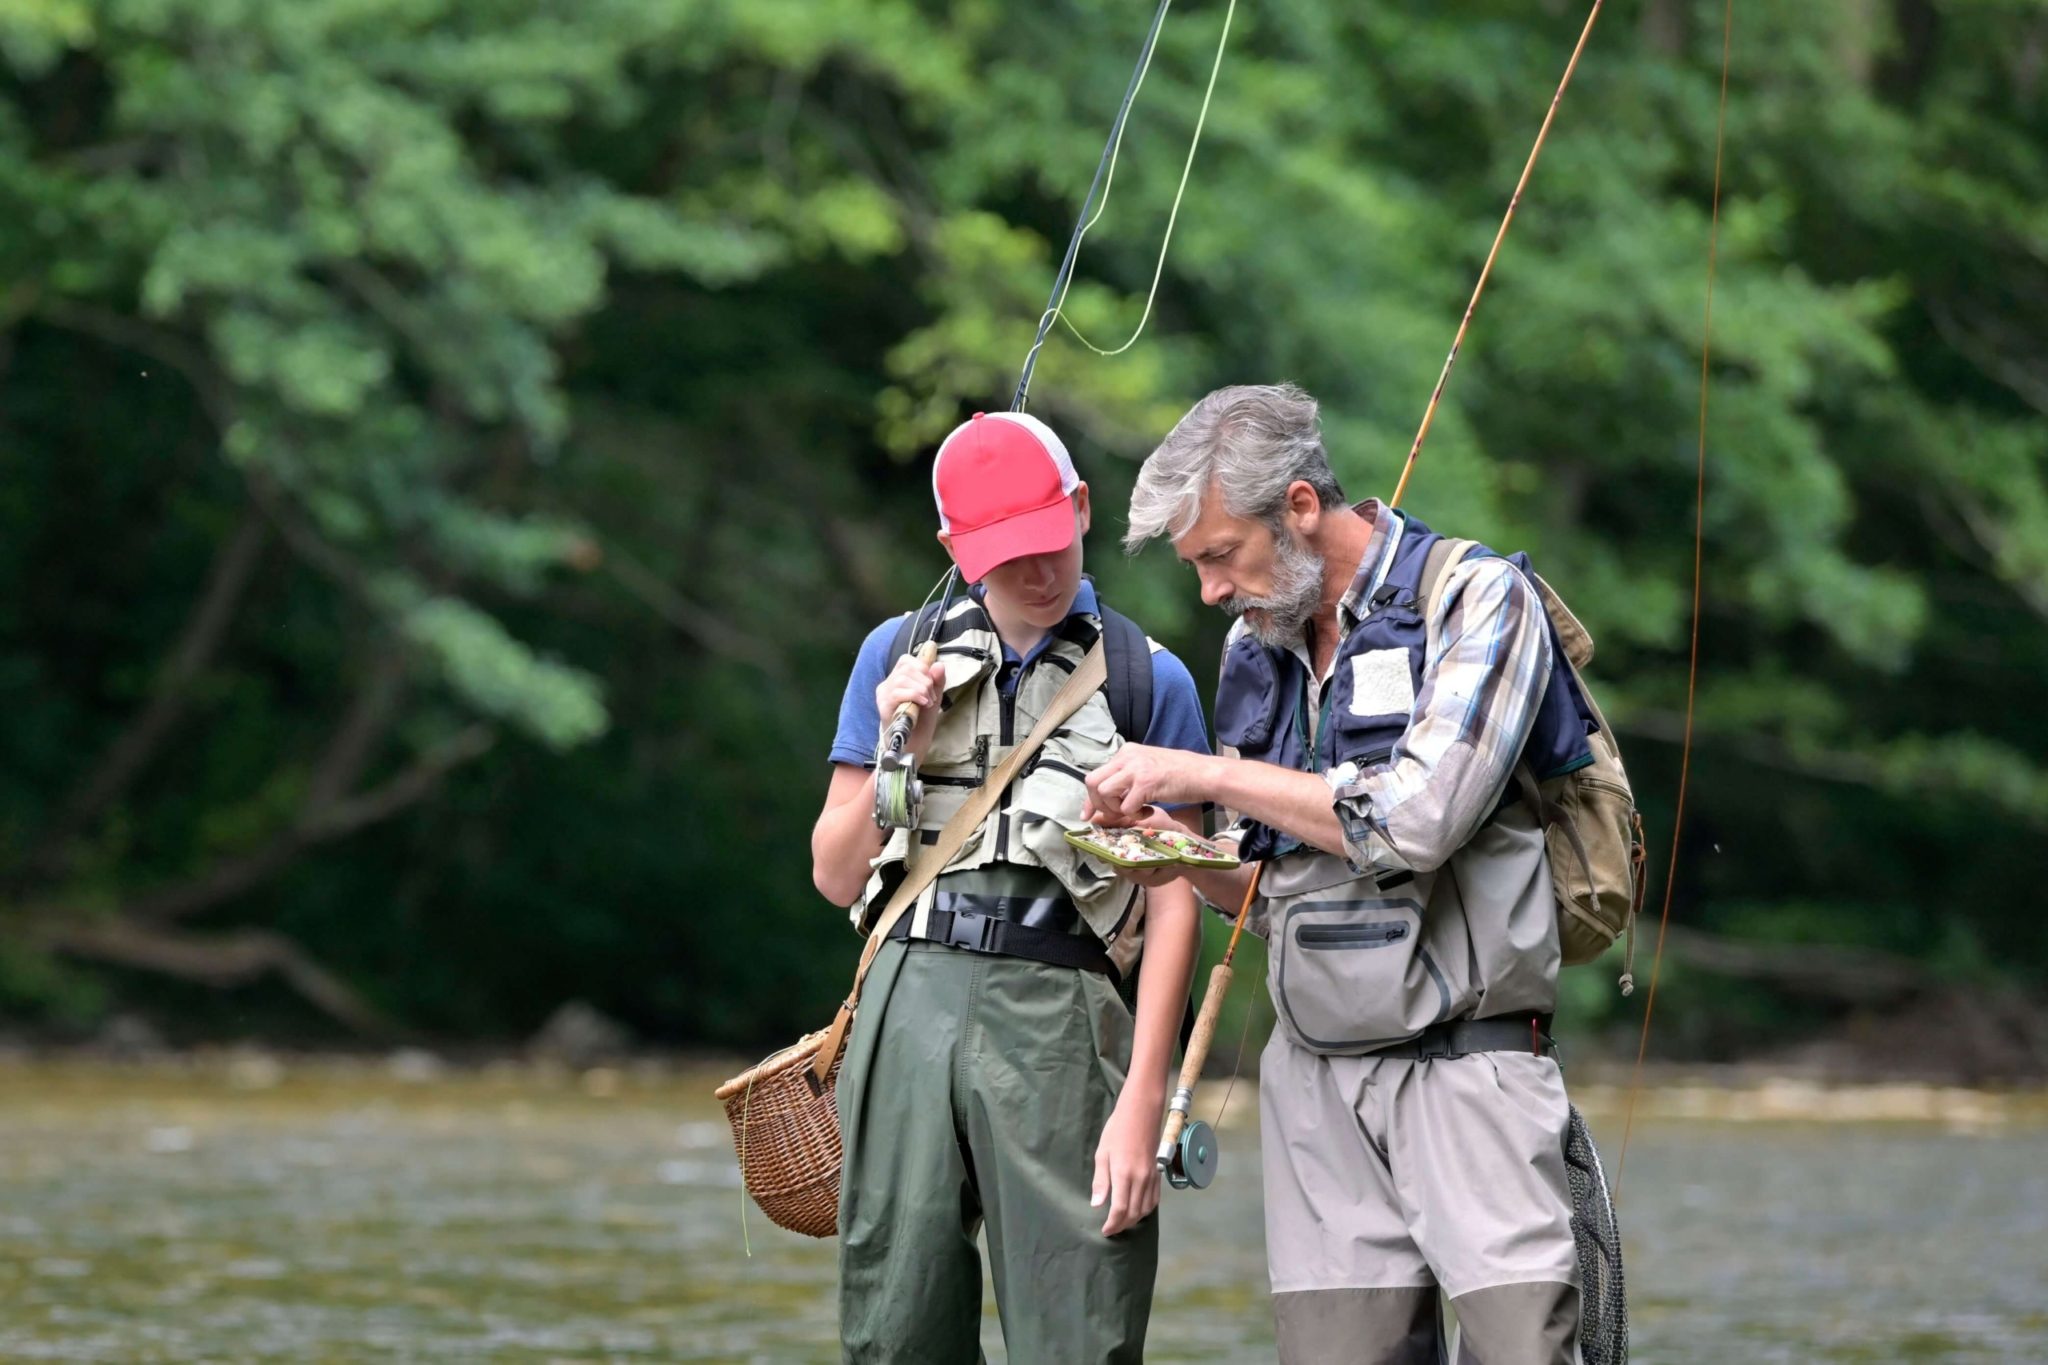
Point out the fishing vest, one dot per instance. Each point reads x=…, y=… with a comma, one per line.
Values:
x=1021, y=845
x=1262, y=697
x=1360, y=960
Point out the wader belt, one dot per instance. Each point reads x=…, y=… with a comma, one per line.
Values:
x=1458, y=1037
x=988, y=929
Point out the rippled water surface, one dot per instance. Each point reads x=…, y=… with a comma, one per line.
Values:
x=245, y=1212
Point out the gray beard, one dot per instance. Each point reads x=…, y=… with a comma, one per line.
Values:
x=1283, y=617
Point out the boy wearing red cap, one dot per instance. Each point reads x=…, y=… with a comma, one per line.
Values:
x=995, y=1074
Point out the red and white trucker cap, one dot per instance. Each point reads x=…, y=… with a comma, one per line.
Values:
x=1002, y=481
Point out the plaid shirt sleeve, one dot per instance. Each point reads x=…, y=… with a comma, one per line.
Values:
x=1478, y=701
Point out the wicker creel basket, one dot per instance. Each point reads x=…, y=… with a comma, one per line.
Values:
x=787, y=1134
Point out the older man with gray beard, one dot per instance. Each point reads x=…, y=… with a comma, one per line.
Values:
x=1413, y=1113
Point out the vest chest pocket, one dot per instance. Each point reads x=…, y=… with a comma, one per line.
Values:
x=1379, y=670
x=959, y=753
x=1372, y=699
x=1376, y=683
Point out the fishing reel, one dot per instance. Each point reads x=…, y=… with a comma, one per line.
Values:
x=1189, y=1153
x=898, y=794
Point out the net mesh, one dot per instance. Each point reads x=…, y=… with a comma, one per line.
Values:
x=1603, y=1304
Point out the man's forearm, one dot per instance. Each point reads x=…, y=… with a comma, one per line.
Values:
x=1295, y=803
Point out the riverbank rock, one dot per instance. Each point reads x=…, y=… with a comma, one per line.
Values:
x=129, y=1037
x=414, y=1066
x=578, y=1035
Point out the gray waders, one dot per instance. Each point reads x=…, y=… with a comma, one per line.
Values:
x=1388, y=1177
x=974, y=1091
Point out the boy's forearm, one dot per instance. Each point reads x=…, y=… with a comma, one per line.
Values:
x=1221, y=887
x=1172, y=939
x=843, y=844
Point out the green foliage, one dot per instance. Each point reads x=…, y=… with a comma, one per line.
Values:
x=585, y=360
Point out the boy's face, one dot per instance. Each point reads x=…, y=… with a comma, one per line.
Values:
x=1040, y=588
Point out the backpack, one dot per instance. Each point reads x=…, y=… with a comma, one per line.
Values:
x=1592, y=831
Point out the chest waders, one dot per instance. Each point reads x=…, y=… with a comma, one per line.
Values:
x=991, y=1043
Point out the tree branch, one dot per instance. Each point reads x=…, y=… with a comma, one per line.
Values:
x=314, y=827
x=1994, y=540
x=307, y=543
x=407, y=789
x=1854, y=976
x=159, y=344
x=234, y=568
x=355, y=738
x=1993, y=356
x=219, y=960
x=701, y=625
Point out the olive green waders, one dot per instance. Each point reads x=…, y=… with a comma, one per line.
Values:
x=975, y=1090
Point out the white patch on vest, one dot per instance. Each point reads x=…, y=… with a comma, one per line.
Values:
x=1379, y=683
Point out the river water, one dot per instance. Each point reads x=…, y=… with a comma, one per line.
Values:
x=243, y=1210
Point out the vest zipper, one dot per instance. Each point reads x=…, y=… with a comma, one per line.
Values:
x=1007, y=702
x=1351, y=935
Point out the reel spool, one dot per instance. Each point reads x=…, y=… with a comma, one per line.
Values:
x=1191, y=1162
x=898, y=793
x=1188, y=1151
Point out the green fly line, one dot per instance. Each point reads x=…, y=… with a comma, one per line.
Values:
x=1173, y=215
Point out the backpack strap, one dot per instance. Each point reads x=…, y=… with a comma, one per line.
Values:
x=914, y=625
x=1125, y=648
x=1443, y=556
x=1129, y=656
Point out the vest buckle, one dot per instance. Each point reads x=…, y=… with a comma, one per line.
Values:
x=976, y=933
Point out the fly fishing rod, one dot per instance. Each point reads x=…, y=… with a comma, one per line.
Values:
x=1187, y=1146
x=1188, y=1150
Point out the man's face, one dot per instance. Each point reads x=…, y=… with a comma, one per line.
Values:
x=1274, y=582
x=1040, y=588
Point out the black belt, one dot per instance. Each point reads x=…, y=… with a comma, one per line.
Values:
x=975, y=933
x=1458, y=1037
x=1055, y=914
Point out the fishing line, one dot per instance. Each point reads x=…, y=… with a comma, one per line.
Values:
x=1052, y=312
x=1082, y=223
x=1699, y=532
x=1237, y=1064
x=1160, y=267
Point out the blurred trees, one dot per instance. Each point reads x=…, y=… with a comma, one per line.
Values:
x=453, y=446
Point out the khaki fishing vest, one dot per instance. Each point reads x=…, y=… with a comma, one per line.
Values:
x=1362, y=960
x=1026, y=830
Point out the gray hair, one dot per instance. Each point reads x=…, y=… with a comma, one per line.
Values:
x=1252, y=441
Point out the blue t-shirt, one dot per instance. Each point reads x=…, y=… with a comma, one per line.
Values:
x=1176, y=706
